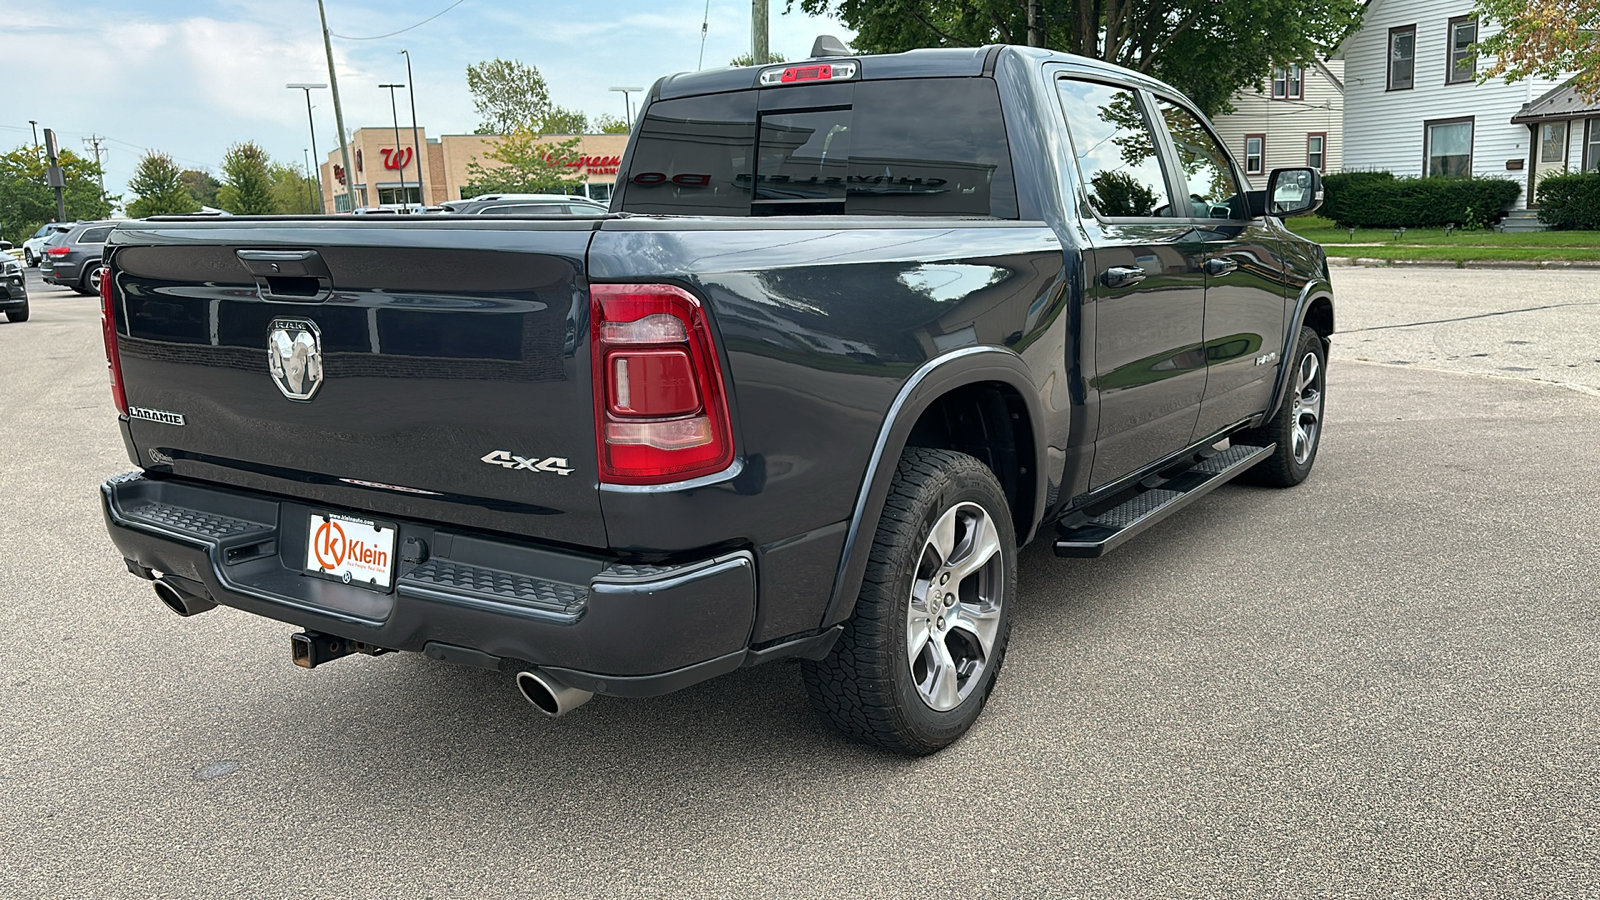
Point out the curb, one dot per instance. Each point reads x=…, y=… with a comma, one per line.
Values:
x=1368, y=262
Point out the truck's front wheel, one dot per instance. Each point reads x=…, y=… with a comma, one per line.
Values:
x=920, y=654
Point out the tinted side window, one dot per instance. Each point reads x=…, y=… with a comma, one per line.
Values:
x=95, y=235
x=1213, y=191
x=1116, y=150
x=692, y=157
x=930, y=147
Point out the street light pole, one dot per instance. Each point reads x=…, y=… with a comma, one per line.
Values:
x=311, y=185
x=308, y=88
x=35, y=124
x=394, y=111
x=338, y=111
x=416, y=142
x=627, y=103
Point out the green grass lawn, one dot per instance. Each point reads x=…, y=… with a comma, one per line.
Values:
x=1323, y=231
x=1458, y=247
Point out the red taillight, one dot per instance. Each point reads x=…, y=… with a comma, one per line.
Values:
x=660, y=411
x=57, y=251
x=108, y=330
x=807, y=73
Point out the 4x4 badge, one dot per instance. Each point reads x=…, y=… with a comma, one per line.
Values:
x=294, y=357
x=509, y=460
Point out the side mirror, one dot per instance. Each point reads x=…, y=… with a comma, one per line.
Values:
x=1293, y=192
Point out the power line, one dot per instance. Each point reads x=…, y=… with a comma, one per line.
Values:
x=377, y=37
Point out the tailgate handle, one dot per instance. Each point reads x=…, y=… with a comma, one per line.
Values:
x=299, y=276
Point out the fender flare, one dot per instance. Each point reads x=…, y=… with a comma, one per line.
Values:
x=1316, y=289
x=932, y=380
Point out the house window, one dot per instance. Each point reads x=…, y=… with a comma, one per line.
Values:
x=1463, y=33
x=1449, y=146
x=1316, y=151
x=1255, y=154
x=1553, y=142
x=1591, y=153
x=1402, y=57
x=1288, y=83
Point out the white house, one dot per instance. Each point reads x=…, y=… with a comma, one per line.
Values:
x=1297, y=121
x=1565, y=130
x=1413, y=105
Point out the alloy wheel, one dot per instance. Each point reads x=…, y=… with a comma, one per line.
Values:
x=954, y=613
x=1307, y=407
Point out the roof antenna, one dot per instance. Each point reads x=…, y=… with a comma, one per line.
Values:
x=828, y=45
x=704, y=21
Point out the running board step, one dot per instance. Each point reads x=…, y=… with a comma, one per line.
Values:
x=1100, y=534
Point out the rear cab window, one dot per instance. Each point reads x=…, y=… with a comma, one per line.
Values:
x=864, y=148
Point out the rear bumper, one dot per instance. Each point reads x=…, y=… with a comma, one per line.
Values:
x=601, y=625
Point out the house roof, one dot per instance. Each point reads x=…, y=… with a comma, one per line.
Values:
x=1561, y=102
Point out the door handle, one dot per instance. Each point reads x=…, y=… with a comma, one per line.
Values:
x=1122, y=276
x=1219, y=265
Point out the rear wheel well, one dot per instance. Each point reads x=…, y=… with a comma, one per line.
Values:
x=987, y=420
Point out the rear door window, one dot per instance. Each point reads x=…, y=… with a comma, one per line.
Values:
x=921, y=147
x=1115, y=147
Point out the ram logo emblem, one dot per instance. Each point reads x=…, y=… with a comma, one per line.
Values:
x=294, y=357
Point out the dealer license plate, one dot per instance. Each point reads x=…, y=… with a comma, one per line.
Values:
x=355, y=551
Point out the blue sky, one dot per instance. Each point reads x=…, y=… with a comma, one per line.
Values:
x=190, y=77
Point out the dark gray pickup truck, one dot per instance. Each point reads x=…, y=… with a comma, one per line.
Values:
x=853, y=331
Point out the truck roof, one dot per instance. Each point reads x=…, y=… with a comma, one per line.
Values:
x=931, y=62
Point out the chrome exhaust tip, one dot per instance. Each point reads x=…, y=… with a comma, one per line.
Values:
x=548, y=695
x=180, y=602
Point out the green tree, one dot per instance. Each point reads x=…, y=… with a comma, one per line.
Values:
x=522, y=165
x=158, y=186
x=611, y=124
x=508, y=95
x=247, y=181
x=26, y=200
x=1543, y=37
x=293, y=192
x=202, y=185
x=558, y=120
x=1206, y=48
x=749, y=59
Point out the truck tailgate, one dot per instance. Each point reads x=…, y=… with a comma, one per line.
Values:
x=425, y=367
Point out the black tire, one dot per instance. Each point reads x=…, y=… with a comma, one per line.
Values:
x=20, y=314
x=29, y=259
x=870, y=686
x=1298, y=422
x=89, y=282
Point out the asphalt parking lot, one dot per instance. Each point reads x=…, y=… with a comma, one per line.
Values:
x=1383, y=682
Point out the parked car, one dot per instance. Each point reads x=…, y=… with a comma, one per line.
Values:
x=13, y=286
x=72, y=257
x=860, y=328
x=526, y=205
x=33, y=247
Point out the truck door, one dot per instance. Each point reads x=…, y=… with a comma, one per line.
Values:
x=1148, y=294
x=1244, y=275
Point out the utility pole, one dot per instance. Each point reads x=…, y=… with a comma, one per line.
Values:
x=308, y=88
x=758, y=32
x=1035, y=24
x=54, y=176
x=338, y=111
x=94, y=140
x=393, y=111
x=416, y=142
